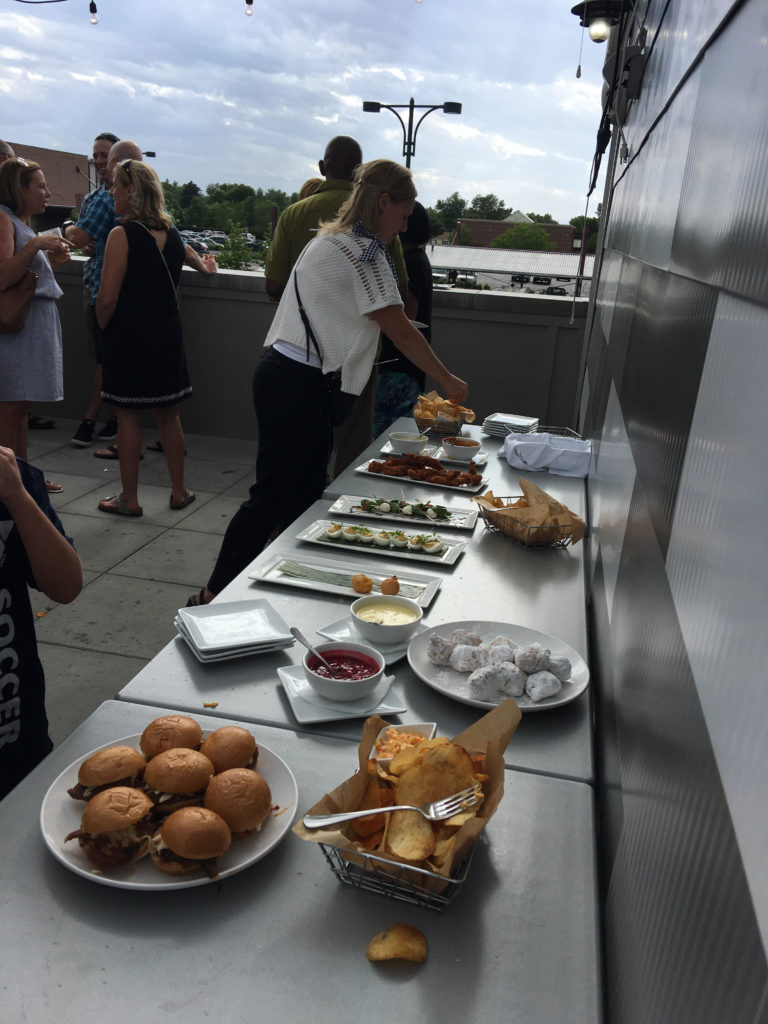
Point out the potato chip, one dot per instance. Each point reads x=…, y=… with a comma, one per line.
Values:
x=398, y=942
x=409, y=836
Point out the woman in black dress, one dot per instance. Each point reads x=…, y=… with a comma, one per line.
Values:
x=144, y=362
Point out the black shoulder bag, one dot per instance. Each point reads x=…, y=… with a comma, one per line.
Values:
x=340, y=403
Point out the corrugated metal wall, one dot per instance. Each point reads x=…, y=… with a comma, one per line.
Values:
x=675, y=398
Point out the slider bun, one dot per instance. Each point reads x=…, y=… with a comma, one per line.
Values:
x=110, y=765
x=196, y=833
x=242, y=798
x=179, y=770
x=231, y=746
x=114, y=809
x=170, y=731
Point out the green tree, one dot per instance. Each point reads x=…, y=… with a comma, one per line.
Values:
x=435, y=222
x=542, y=218
x=488, y=207
x=524, y=236
x=450, y=210
x=235, y=255
x=465, y=236
x=593, y=226
x=187, y=193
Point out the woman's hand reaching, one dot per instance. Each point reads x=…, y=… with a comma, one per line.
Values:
x=454, y=388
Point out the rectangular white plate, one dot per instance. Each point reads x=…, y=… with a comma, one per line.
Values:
x=280, y=569
x=461, y=518
x=315, y=533
x=416, y=483
x=233, y=624
x=438, y=452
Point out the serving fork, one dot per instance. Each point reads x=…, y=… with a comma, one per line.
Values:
x=437, y=810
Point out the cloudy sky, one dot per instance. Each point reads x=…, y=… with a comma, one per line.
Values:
x=222, y=97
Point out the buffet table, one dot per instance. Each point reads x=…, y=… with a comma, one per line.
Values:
x=493, y=580
x=284, y=940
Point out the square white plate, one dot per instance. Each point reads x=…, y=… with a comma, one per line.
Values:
x=226, y=654
x=344, y=629
x=309, y=707
x=234, y=624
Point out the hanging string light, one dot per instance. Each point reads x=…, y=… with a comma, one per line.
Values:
x=249, y=8
x=94, y=14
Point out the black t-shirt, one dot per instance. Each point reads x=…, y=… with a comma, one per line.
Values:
x=24, y=739
x=420, y=283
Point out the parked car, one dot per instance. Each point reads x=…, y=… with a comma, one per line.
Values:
x=555, y=290
x=542, y=280
x=196, y=243
x=219, y=237
x=519, y=278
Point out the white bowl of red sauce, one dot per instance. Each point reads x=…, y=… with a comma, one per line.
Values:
x=460, y=449
x=358, y=669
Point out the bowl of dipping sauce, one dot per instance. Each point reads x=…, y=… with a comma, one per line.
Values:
x=460, y=449
x=358, y=669
x=386, y=619
x=408, y=444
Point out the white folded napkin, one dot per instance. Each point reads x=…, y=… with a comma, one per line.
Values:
x=565, y=456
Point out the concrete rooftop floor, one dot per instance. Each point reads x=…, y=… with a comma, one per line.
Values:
x=137, y=572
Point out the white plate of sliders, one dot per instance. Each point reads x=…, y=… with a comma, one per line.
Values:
x=60, y=815
x=536, y=669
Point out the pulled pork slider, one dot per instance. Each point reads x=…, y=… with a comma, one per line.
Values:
x=189, y=841
x=177, y=778
x=115, y=766
x=231, y=746
x=115, y=827
x=170, y=731
x=242, y=798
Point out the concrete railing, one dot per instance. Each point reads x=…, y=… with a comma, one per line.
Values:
x=518, y=352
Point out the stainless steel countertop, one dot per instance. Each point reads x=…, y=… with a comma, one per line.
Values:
x=284, y=940
x=493, y=580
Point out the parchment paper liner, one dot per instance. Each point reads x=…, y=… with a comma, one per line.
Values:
x=489, y=736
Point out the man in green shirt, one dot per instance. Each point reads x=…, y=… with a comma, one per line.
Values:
x=297, y=225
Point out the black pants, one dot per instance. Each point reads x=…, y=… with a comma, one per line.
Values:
x=295, y=440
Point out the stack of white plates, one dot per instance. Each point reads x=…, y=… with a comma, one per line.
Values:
x=218, y=632
x=499, y=424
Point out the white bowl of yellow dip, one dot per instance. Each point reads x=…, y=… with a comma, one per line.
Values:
x=386, y=619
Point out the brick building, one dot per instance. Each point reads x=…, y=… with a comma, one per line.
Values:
x=482, y=232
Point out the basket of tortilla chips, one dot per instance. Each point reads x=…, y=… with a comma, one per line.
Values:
x=436, y=415
x=533, y=520
x=401, y=854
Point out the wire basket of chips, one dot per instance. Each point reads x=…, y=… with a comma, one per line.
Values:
x=436, y=415
x=533, y=520
x=534, y=538
x=402, y=882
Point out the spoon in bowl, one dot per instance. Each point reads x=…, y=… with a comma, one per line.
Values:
x=303, y=640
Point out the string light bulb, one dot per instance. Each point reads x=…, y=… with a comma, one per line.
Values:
x=599, y=30
x=94, y=13
x=249, y=8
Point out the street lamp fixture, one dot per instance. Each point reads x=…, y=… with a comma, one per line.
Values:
x=599, y=16
x=409, y=132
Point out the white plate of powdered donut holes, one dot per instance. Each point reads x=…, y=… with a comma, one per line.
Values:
x=485, y=663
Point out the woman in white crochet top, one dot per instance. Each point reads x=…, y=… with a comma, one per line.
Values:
x=341, y=294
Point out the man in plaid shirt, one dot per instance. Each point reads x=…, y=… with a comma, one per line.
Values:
x=96, y=220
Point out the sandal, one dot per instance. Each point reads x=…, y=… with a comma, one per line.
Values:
x=119, y=508
x=110, y=452
x=189, y=497
x=197, y=600
x=53, y=488
x=41, y=423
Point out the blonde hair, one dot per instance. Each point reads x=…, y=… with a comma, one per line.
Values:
x=15, y=175
x=147, y=200
x=372, y=180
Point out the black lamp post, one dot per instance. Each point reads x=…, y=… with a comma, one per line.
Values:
x=409, y=133
x=599, y=16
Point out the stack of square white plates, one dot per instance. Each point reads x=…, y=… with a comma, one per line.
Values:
x=499, y=424
x=218, y=632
